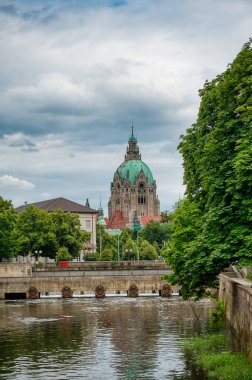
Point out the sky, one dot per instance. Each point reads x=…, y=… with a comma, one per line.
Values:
x=76, y=74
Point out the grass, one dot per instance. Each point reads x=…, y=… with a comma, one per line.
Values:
x=249, y=276
x=213, y=354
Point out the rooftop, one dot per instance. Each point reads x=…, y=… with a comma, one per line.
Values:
x=60, y=203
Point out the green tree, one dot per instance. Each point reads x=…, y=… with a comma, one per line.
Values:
x=212, y=226
x=129, y=250
x=8, y=242
x=156, y=233
x=104, y=240
x=68, y=233
x=5, y=204
x=107, y=255
x=148, y=251
x=63, y=254
x=35, y=231
x=38, y=230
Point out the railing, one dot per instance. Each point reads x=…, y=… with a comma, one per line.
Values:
x=103, y=265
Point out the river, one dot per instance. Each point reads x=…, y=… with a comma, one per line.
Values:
x=110, y=338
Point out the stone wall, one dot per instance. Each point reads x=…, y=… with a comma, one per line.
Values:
x=15, y=270
x=82, y=284
x=237, y=295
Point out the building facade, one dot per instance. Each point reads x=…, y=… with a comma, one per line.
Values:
x=133, y=191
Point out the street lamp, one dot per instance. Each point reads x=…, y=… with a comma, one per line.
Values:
x=137, y=247
x=37, y=253
x=118, y=247
x=128, y=251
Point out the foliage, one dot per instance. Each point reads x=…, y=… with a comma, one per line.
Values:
x=92, y=256
x=212, y=225
x=38, y=230
x=214, y=355
x=104, y=240
x=148, y=251
x=156, y=233
x=167, y=216
x=219, y=312
x=34, y=231
x=63, y=254
x=129, y=250
x=249, y=276
x=68, y=233
x=5, y=204
x=8, y=242
x=107, y=255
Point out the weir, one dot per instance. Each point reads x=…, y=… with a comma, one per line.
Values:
x=20, y=281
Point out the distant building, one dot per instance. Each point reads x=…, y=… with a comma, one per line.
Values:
x=87, y=215
x=133, y=191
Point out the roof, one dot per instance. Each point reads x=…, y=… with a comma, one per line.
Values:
x=60, y=203
x=147, y=219
x=118, y=222
x=129, y=170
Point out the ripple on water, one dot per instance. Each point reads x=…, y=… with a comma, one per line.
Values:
x=111, y=338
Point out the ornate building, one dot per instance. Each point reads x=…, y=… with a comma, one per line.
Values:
x=133, y=190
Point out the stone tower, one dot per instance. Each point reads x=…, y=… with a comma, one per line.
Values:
x=133, y=189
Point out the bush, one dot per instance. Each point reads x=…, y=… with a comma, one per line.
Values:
x=63, y=254
x=219, y=312
x=214, y=355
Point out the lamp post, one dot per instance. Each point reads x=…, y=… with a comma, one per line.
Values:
x=128, y=251
x=118, y=248
x=100, y=243
x=137, y=247
x=37, y=253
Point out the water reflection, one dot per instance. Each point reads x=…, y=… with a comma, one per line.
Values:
x=111, y=338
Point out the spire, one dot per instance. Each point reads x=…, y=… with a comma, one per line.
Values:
x=132, y=152
x=100, y=207
x=87, y=203
x=132, y=137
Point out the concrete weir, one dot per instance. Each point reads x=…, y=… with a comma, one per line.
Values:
x=18, y=281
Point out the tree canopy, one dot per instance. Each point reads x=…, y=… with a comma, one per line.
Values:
x=36, y=230
x=212, y=225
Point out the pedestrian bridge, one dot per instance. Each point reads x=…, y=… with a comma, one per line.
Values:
x=132, y=279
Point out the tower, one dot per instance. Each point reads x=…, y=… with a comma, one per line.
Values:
x=133, y=189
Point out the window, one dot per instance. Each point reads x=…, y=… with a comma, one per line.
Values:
x=88, y=223
x=141, y=199
x=141, y=193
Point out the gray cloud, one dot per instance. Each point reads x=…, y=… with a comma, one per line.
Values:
x=74, y=74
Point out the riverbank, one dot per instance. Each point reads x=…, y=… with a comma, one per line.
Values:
x=213, y=353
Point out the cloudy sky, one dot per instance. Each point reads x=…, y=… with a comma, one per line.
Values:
x=74, y=75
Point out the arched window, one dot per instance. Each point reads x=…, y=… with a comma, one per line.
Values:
x=141, y=193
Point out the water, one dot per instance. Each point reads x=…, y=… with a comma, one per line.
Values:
x=88, y=338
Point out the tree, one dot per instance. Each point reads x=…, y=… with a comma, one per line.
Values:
x=105, y=241
x=63, y=254
x=5, y=204
x=156, y=232
x=148, y=251
x=129, y=250
x=212, y=226
x=38, y=230
x=107, y=255
x=35, y=231
x=8, y=242
x=68, y=233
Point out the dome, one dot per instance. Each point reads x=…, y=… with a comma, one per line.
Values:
x=129, y=170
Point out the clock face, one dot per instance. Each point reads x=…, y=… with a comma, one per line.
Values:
x=141, y=187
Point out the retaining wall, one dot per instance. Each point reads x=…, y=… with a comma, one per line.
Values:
x=237, y=295
x=15, y=270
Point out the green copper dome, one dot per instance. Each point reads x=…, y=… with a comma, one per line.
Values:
x=129, y=170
